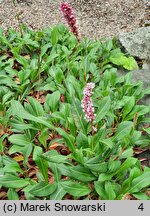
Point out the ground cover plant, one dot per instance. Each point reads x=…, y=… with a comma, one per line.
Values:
x=69, y=125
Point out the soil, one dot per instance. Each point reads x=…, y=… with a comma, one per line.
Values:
x=96, y=18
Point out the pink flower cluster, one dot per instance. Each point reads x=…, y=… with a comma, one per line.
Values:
x=70, y=17
x=87, y=104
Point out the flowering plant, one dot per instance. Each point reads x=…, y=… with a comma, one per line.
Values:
x=49, y=148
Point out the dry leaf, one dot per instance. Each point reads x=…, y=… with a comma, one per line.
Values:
x=55, y=145
x=27, y=56
x=19, y=158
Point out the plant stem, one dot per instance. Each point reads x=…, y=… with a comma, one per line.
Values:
x=39, y=75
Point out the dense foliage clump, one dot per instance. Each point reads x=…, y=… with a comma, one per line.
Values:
x=49, y=150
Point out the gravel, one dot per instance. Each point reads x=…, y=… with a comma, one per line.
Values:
x=96, y=18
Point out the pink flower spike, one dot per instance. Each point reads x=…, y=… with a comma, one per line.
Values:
x=87, y=103
x=70, y=17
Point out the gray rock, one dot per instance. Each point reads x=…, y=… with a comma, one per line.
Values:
x=146, y=64
x=136, y=43
x=140, y=75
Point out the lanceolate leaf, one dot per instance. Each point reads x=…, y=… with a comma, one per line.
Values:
x=99, y=187
x=59, y=193
x=129, y=162
x=140, y=182
x=13, y=167
x=11, y=181
x=75, y=189
x=43, y=189
x=81, y=173
x=109, y=191
x=18, y=110
x=54, y=35
x=52, y=100
x=41, y=163
x=103, y=108
x=68, y=138
x=53, y=156
x=19, y=139
x=123, y=130
x=78, y=116
x=12, y=194
x=36, y=107
x=129, y=104
x=97, y=167
x=147, y=130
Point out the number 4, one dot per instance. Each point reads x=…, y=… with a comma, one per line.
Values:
x=141, y=207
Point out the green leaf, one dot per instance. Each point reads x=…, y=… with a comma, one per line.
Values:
x=26, y=150
x=6, y=80
x=105, y=177
x=78, y=156
x=11, y=181
x=12, y=167
x=109, y=191
x=28, y=196
x=2, y=138
x=75, y=189
x=108, y=45
x=147, y=130
x=54, y=35
x=131, y=64
x=19, y=139
x=99, y=187
x=103, y=108
x=22, y=60
x=129, y=104
x=140, y=109
x=78, y=116
x=120, y=59
x=18, y=110
x=107, y=142
x=68, y=138
x=41, y=163
x=123, y=130
x=55, y=170
x=141, y=196
x=81, y=173
x=140, y=182
x=37, y=108
x=12, y=194
x=21, y=126
x=97, y=167
x=7, y=96
x=43, y=137
x=113, y=165
x=44, y=49
x=52, y=100
x=53, y=156
x=43, y=189
x=48, y=61
x=129, y=162
x=43, y=166
x=72, y=126
x=37, y=153
x=62, y=168
x=127, y=153
x=58, y=194
x=117, y=57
